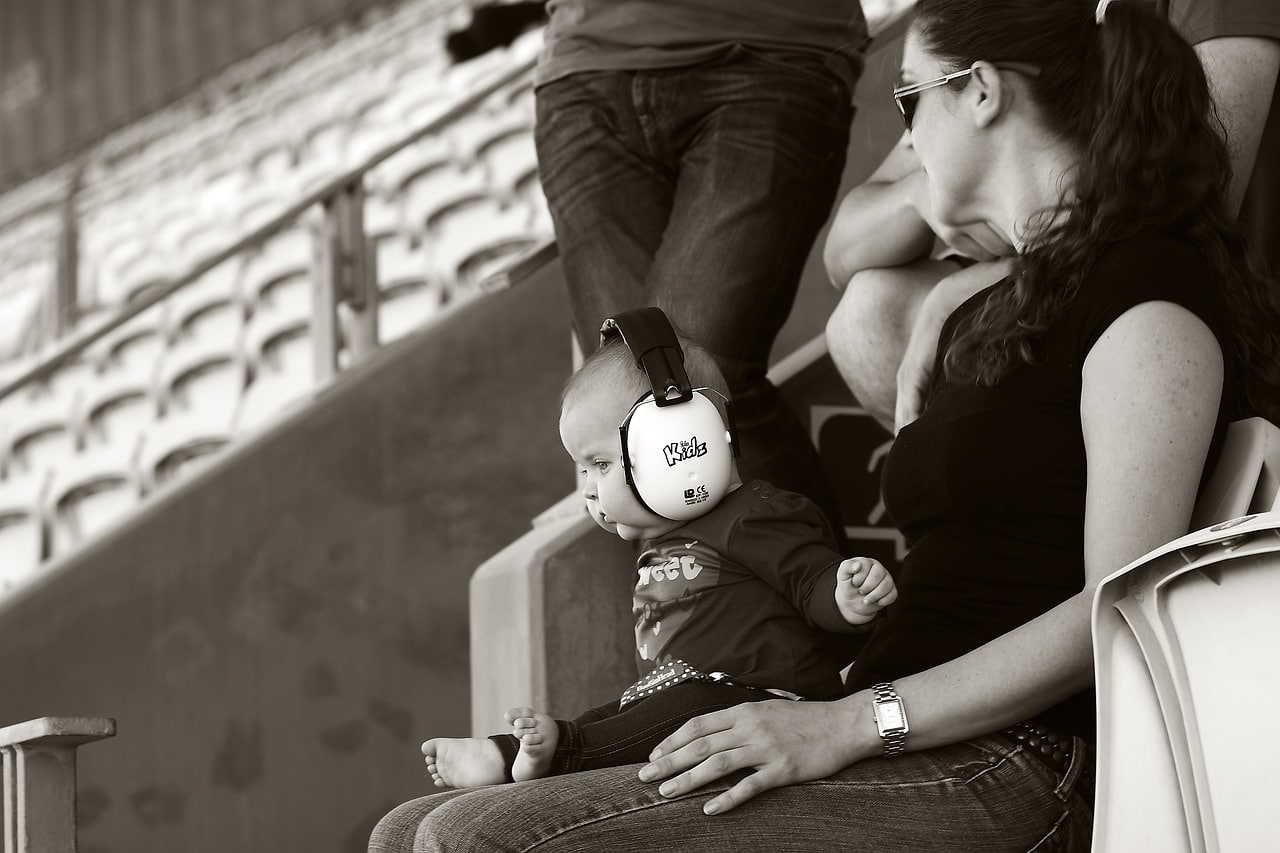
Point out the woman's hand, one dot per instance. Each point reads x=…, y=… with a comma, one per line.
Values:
x=782, y=741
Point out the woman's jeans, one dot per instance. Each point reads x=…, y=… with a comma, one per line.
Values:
x=700, y=190
x=988, y=794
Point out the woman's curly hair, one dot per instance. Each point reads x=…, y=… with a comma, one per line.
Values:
x=1130, y=95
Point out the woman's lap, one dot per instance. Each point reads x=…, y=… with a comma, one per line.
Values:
x=987, y=795
x=396, y=831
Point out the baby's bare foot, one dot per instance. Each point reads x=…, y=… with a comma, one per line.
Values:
x=463, y=762
x=538, y=736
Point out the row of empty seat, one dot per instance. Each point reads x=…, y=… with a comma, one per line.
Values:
x=235, y=153
x=214, y=362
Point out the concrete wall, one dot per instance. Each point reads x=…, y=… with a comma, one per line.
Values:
x=277, y=638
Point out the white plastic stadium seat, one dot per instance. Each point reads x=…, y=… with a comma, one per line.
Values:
x=1185, y=643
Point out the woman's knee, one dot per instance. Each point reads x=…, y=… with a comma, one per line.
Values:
x=564, y=813
x=483, y=820
x=396, y=832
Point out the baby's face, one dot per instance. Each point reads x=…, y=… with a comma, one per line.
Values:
x=589, y=431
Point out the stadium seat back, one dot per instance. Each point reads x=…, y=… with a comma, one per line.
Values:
x=1184, y=655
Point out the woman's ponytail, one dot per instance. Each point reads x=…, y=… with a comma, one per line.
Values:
x=1154, y=154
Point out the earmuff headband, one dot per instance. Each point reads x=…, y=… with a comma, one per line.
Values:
x=649, y=336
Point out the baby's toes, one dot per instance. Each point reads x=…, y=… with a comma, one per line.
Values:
x=532, y=738
x=526, y=725
x=516, y=715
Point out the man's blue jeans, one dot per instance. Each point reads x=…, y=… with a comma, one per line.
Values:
x=989, y=794
x=700, y=190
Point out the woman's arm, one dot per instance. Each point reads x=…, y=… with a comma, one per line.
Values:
x=887, y=221
x=1151, y=387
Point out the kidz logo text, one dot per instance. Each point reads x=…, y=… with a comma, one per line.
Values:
x=679, y=451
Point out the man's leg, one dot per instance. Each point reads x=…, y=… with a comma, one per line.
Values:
x=760, y=141
x=609, y=199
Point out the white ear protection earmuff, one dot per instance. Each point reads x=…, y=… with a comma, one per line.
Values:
x=677, y=451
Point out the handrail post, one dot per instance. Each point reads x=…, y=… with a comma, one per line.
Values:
x=365, y=335
x=346, y=276
x=324, y=301
x=60, y=316
x=39, y=780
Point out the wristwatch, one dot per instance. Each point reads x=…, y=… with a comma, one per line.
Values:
x=891, y=719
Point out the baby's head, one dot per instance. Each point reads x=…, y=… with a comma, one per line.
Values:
x=596, y=400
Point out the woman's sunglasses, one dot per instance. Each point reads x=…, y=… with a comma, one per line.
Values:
x=907, y=97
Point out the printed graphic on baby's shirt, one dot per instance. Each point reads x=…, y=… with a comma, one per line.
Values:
x=672, y=578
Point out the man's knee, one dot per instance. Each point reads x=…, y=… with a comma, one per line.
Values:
x=870, y=326
x=868, y=314
x=868, y=331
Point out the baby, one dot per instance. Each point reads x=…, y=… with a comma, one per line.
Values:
x=728, y=605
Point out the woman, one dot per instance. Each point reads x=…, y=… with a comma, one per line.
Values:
x=1078, y=403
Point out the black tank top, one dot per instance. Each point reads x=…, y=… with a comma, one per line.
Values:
x=988, y=486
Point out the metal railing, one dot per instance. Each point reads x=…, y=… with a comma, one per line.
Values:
x=346, y=273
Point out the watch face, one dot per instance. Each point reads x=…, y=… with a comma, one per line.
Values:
x=889, y=716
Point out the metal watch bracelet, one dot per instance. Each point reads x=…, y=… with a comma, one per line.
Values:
x=891, y=718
